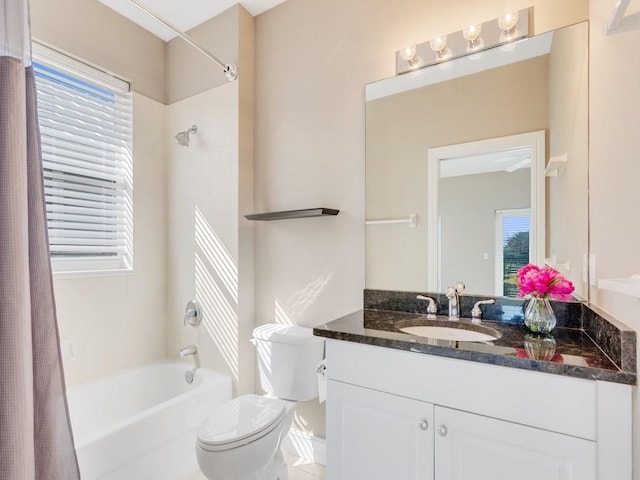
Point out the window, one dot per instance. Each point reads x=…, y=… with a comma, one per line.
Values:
x=513, y=247
x=86, y=129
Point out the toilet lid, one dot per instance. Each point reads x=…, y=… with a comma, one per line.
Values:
x=240, y=420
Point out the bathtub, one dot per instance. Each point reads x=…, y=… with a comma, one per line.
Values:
x=142, y=424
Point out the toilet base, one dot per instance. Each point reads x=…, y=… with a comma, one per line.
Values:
x=276, y=469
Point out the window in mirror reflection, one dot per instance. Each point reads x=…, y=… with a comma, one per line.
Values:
x=512, y=248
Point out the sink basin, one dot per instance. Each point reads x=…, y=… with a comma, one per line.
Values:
x=460, y=331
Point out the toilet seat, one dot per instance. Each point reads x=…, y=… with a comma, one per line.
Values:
x=240, y=421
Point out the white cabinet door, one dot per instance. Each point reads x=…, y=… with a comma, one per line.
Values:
x=377, y=436
x=473, y=447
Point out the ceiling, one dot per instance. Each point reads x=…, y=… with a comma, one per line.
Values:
x=184, y=14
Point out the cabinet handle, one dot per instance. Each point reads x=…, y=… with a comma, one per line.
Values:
x=442, y=431
x=424, y=425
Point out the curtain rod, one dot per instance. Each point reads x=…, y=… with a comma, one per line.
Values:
x=230, y=70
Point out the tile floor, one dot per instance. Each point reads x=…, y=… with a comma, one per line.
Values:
x=299, y=469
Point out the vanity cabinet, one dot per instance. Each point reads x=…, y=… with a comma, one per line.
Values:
x=393, y=414
x=377, y=435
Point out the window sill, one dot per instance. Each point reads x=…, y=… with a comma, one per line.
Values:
x=123, y=272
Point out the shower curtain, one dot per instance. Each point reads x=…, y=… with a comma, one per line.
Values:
x=35, y=435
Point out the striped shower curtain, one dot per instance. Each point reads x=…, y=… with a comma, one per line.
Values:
x=35, y=434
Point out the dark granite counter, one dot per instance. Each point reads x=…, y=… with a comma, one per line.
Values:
x=567, y=351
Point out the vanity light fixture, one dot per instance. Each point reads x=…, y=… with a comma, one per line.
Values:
x=409, y=54
x=472, y=35
x=508, y=25
x=471, y=40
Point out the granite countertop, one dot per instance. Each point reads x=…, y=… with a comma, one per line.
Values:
x=576, y=354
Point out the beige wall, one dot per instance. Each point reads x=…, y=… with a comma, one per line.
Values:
x=402, y=128
x=614, y=171
x=312, y=61
x=568, y=194
x=94, y=33
x=116, y=322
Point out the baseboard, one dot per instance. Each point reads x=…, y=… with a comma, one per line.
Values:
x=306, y=445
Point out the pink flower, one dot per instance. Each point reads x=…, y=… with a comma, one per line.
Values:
x=543, y=282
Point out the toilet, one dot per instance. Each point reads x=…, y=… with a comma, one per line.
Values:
x=241, y=440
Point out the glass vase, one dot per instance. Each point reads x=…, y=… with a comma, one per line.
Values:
x=539, y=316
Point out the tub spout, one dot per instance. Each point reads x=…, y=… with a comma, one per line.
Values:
x=188, y=350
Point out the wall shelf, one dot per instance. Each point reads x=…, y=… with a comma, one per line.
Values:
x=286, y=214
x=627, y=286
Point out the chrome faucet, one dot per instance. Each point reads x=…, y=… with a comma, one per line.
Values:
x=189, y=375
x=453, y=294
x=188, y=350
x=476, y=311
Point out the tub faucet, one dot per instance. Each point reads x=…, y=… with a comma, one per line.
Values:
x=453, y=294
x=188, y=350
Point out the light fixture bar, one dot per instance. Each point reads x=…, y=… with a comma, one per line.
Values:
x=472, y=40
x=230, y=70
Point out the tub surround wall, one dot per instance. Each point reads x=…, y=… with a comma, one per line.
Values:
x=116, y=322
x=205, y=249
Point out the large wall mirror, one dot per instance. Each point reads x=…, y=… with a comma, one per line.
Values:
x=479, y=165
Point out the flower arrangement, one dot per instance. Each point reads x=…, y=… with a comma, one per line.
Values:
x=543, y=282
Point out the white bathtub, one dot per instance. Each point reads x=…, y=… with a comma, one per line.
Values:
x=142, y=424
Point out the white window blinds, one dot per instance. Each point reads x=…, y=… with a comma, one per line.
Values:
x=86, y=129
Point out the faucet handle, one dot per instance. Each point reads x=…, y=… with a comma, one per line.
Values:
x=432, y=308
x=476, y=311
x=460, y=287
x=193, y=313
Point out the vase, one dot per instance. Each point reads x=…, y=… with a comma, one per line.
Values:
x=539, y=316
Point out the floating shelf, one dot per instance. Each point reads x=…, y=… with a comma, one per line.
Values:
x=627, y=286
x=306, y=212
x=555, y=165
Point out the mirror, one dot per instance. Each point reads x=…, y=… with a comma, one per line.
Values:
x=479, y=165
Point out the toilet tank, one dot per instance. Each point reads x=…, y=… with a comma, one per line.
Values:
x=287, y=360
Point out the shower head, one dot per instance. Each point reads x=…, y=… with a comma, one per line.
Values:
x=183, y=137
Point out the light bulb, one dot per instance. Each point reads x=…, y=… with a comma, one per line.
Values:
x=472, y=36
x=438, y=43
x=507, y=24
x=409, y=55
x=508, y=21
x=472, y=32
